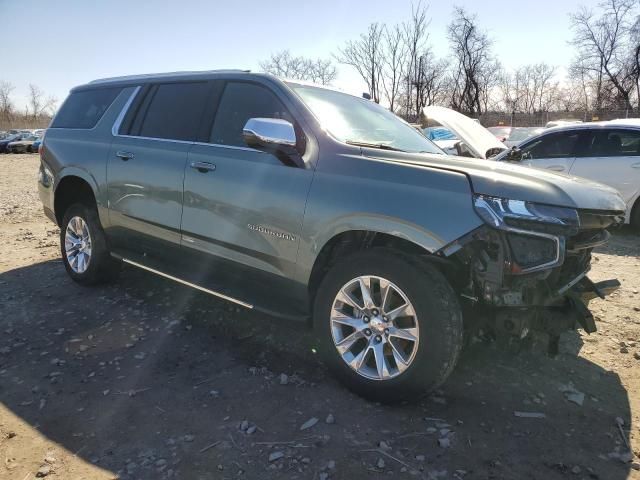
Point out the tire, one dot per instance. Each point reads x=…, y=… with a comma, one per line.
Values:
x=635, y=216
x=100, y=267
x=437, y=315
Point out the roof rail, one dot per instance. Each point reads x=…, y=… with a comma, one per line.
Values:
x=146, y=76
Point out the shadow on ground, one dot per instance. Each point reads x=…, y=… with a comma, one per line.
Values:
x=141, y=376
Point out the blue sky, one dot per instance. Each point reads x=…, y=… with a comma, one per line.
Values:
x=58, y=44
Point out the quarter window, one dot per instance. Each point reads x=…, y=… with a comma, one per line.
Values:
x=83, y=109
x=241, y=101
x=174, y=111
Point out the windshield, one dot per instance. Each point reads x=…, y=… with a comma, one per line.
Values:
x=356, y=120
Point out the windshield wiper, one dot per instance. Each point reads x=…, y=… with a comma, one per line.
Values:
x=381, y=146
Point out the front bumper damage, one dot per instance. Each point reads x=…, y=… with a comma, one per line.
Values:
x=511, y=283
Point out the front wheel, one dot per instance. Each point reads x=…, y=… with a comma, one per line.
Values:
x=389, y=328
x=84, y=246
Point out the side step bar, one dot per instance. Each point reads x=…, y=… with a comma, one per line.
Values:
x=184, y=282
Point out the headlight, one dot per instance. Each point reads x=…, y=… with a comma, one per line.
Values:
x=507, y=214
x=535, y=232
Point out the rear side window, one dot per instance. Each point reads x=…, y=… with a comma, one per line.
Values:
x=173, y=112
x=240, y=102
x=616, y=143
x=83, y=109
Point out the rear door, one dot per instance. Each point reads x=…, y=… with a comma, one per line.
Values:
x=243, y=207
x=145, y=169
x=613, y=159
x=554, y=151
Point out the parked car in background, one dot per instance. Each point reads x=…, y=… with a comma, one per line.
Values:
x=23, y=144
x=35, y=146
x=4, y=143
x=443, y=138
x=308, y=203
x=561, y=123
x=39, y=131
x=501, y=132
x=474, y=140
x=607, y=152
x=518, y=135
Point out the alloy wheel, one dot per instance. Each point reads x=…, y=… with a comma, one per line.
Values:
x=374, y=327
x=77, y=244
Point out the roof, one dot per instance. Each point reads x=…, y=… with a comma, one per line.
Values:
x=131, y=80
x=622, y=122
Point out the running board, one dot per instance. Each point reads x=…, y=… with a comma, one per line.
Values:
x=184, y=282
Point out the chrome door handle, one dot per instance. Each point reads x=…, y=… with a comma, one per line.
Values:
x=203, y=167
x=124, y=156
x=556, y=168
x=635, y=165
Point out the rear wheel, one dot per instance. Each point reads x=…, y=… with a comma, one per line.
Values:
x=635, y=215
x=84, y=247
x=389, y=329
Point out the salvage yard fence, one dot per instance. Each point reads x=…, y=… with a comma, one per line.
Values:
x=540, y=119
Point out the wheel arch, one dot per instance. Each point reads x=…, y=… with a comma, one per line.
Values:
x=350, y=241
x=72, y=188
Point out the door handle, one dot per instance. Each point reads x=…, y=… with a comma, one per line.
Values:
x=203, y=167
x=124, y=156
x=635, y=165
x=556, y=168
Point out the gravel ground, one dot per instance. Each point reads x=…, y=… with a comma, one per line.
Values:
x=145, y=379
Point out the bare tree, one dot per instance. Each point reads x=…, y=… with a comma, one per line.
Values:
x=283, y=64
x=393, y=65
x=6, y=105
x=366, y=55
x=602, y=44
x=471, y=49
x=415, y=37
x=38, y=103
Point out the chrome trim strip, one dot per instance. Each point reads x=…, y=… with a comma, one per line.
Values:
x=188, y=284
x=123, y=112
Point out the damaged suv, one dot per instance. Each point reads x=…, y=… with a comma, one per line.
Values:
x=308, y=203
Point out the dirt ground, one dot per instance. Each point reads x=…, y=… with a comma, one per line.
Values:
x=146, y=379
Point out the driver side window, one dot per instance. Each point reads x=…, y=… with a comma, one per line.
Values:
x=554, y=145
x=240, y=102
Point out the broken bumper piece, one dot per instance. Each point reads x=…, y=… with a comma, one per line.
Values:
x=585, y=291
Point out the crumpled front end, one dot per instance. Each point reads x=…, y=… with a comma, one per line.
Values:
x=526, y=268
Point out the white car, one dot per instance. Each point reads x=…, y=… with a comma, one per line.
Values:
x=607, y=152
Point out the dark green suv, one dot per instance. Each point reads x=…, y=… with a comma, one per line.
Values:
x=311, y=204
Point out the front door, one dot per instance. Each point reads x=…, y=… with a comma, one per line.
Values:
x=554, y=151
x=243, y=206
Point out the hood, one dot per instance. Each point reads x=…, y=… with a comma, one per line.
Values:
x=498, y=179
x=475, y=136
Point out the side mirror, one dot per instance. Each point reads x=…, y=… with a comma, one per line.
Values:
x=275, y=136
x=514, y=155
x=269, y=133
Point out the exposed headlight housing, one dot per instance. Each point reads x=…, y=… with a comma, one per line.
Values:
x=506, y=214
x=535, y=232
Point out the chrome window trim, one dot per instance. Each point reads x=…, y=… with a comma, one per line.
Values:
x=116, y=125
x=116, y=128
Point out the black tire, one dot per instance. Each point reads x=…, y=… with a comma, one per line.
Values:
x=101, y=267
x=438, y=314
x=635, y=216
